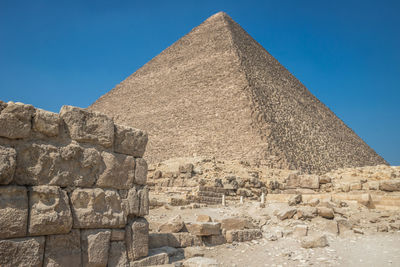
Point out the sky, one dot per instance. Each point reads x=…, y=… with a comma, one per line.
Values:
x=55, y=53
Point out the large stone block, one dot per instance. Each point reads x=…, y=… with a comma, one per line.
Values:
x=236, y=223
x=204, y=228
x=63, y=250
x=390, y=185
x=22, y=252
x=95, y=247
x=138, y=201
x=97, y=208
x=49, y=211
x=117, y=256
x=130, y=141
x=141, y=171
x=87, y=126
x=46, y=122
x=15, y=120
x=137, y=239
x=13, y=211
x=175, y=240
x=309, y=181
x=242, y=235
x=119, y=171
x=71, y=165
x=152, y=260
x=8, y=159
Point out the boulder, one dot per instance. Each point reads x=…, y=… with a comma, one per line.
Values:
x=22, y=252
x=63, y=250
x=130, y=141
x=306, y=213
x=119, y=171
x=390, y=185
x=286, y=213
x=46, y=122
x=95, y=246
x=324, y=180
x=49, y=211
x=117, y=256
x=326, y=212
x=8, y=159
x=88, y=126
x=97, y=208
x=204, y=228
x=314, y=241
x=137, y=239
x=13, y=211
x=15, y=120
x=174, y=225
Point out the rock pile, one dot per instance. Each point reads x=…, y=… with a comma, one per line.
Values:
x=72, y=189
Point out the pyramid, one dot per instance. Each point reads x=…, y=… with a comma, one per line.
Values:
x=217, y=92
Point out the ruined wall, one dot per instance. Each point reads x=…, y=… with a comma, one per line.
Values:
x=72, y=189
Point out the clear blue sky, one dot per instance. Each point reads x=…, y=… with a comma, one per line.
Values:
x=347, y=53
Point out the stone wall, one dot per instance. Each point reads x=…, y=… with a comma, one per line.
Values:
x=72, y=189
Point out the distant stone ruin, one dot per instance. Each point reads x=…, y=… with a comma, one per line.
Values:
x=72, y=189
x=217, y=92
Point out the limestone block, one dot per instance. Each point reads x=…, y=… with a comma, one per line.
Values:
x=141, y=171
x=13, y=211
x=186, y=168
x=97, y=208
x=63, y=250
x=3, y=105
x=292, y=181
x=95, y=246
x=8, y=159
x=236, y=223
x=326, y=212
x=22, y=252
x=153, y=260
x=144, y=201
x=355, y=186
x=176, y=240
x=117, y=256
x=300, y=230
x=49, y=211
x=71, y=165
x=15, y=120
x=204, y=228
x=390, y=185
x=309, y=181
x=304, y=212
x=117, y=234
x=88, y=126
x=174, y=225
x=214, y=240
x=314, y=241
x=46, y=122
x=133, y=202
x=373, y=185
x=242, y=235
x=137, y=239
x=203, y=218
x=130, y=141
x=119, y=172
x=191, y=252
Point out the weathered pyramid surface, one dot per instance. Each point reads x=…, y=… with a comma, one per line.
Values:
x=217, y=92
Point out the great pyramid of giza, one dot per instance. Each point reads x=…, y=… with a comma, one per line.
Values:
x=217, y=92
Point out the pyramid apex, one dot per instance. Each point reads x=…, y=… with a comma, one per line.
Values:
x=219, y=15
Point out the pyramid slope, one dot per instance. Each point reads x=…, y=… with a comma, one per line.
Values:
x=217, y=92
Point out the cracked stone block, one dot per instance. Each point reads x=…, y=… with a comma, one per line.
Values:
x=8, y=159
x=63, y=250
x=137, y=239
x=119, y=172
x=88, y=126
x=130, y=141
x=49, y=211
x=13, y=211
x=70, y=165
x=97, y=208
x=22, y=252
x=15, y=120
x=95, y=247
x=141, y=171
x=138, y=201
x=46, y=122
